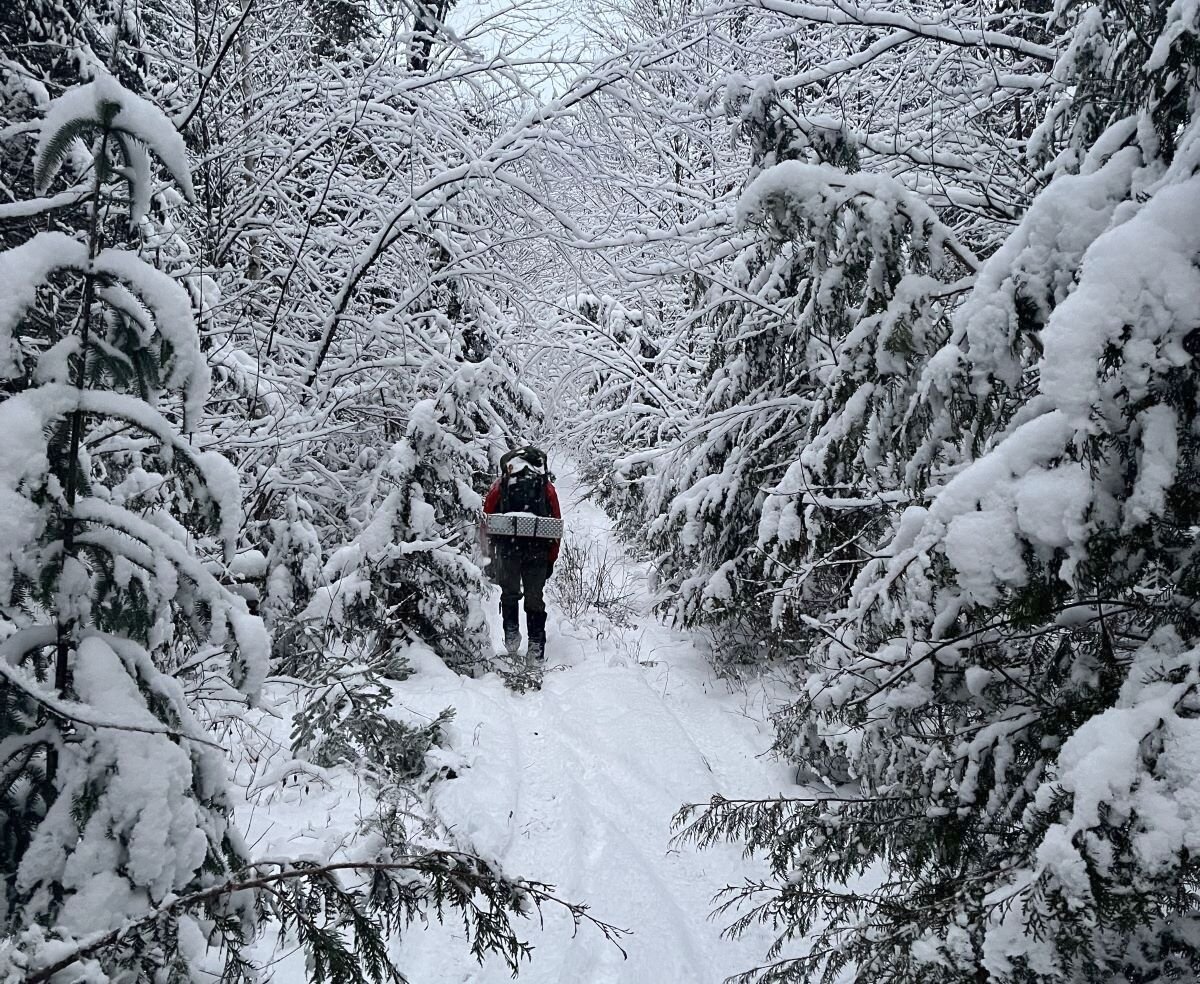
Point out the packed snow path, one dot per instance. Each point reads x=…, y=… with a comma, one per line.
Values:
x=576, y=785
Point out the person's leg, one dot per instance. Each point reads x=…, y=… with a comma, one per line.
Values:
x=534, y=574
x=509, y=578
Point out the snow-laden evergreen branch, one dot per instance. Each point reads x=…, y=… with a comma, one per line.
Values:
x=444, y=876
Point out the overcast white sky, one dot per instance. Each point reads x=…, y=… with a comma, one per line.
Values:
x=531, y=29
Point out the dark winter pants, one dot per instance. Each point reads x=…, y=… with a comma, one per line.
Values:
x=523, y=575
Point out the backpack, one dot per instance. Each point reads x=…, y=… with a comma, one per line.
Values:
x=525, y=491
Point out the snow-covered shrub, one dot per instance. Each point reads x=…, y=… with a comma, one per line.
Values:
x=590, y=578
x=294, y=563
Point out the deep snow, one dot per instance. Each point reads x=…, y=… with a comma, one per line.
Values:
x=574, y=785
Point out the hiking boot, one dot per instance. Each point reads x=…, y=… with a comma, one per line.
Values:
x=537, y=634
x=510, y=616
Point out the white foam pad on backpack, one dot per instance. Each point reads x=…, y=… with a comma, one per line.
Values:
x=520, y=464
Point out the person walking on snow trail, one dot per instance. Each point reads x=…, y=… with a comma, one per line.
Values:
x=521, y=549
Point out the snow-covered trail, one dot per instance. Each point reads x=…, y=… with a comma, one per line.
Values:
x=576, y=785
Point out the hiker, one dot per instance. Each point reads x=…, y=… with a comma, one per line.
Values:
x=522, y=550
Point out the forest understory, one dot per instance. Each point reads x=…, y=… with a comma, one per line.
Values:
x=863, y=337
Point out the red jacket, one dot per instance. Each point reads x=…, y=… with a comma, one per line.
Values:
x=491, y=502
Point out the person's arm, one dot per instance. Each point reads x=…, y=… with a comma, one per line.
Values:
x=491, y=502
x=556, y=512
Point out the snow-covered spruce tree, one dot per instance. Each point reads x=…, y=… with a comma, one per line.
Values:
x=407, y=578
x=407, y=581
x=705, y=495
x=408, y=574
x=100, y=494
x=1005, y=709
x=709, y=491
x=45, y=45
x=294, y=563
x=841, y=291
x=882, y=274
